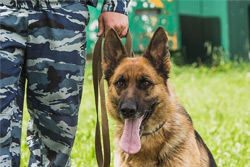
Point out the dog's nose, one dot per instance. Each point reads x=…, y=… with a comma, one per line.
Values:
x=128, y=109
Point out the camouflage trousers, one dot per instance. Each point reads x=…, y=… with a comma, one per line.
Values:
x=43, y=44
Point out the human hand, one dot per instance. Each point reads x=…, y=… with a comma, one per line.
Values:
x=114, y=20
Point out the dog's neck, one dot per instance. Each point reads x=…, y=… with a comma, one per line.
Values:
x=155, y=130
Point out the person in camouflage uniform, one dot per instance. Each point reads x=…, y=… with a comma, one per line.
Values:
x=44, y=41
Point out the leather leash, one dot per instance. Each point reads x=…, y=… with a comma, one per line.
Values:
x=103, y=152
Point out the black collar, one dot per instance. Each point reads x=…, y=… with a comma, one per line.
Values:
x=156, y=129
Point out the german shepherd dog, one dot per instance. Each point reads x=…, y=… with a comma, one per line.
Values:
x=153, y=129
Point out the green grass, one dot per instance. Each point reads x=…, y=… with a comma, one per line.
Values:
x=218, y=100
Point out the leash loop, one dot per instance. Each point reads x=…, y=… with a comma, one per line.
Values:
x=103, y=152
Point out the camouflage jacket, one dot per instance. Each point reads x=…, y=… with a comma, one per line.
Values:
x=119, y=6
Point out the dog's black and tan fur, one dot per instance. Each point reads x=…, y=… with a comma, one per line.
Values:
x=140, y=88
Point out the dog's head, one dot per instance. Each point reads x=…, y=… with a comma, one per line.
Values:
x=137, y=87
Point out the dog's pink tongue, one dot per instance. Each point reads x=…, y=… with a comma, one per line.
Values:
x=130, y=141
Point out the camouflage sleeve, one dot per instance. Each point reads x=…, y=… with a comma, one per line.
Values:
x=119, y=6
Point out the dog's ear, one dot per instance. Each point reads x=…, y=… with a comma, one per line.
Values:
x=157, y=52
x=114, y=52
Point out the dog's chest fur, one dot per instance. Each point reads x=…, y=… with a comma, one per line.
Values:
x=167, y=147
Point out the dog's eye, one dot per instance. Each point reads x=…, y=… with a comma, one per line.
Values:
x=145, y=84
x=119, y=84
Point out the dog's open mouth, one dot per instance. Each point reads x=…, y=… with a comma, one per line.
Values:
x=130, y=141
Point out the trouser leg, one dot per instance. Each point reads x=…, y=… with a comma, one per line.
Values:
x=12, y=52
x=55, y=74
